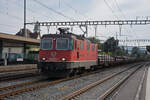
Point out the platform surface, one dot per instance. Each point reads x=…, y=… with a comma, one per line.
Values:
x=147, y=97
x=18, y=67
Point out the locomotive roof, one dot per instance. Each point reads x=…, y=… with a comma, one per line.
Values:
x=65, y=35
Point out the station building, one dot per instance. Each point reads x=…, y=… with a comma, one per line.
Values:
x=18, y=48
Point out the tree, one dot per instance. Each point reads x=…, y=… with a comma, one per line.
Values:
x=135, y=51
x=97, y=41
x=111, y=45
x=148, y=48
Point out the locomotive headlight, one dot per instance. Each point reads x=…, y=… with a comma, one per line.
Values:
x=63, y=59
x=43, y=58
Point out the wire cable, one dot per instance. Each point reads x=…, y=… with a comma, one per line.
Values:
x=113, y=12
x=75, y=10
x=53, y=10
x=120, y=9
x=12, y=26
x=33, y=11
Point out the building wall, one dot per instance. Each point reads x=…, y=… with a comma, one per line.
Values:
x=1, y=48
x=16, y=50
x=12, y=48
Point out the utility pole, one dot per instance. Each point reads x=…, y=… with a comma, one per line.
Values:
x=25, y=32
x=86, y=27
x=116, y=36
x=126, y=43
x=120, y=28
x=95, y=30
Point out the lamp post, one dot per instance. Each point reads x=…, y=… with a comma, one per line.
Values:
x=25, y=32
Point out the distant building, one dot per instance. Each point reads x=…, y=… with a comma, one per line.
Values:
x=34, y=35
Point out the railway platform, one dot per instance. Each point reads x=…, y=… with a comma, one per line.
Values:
x=19, y=67
x=136, y=87
x=147, y=97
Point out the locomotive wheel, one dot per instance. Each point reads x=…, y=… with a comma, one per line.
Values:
x=92, y=68
x=72, y=73
x=88, y=70
x=77, y=71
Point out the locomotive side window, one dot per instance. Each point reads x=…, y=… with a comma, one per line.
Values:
x=62, y=44
x=93, y=47
x=70, y=44
x=46, y=44
x=81, y=45
x=75, y=44
x=88, y=46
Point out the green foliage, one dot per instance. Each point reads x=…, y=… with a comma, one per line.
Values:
x=110, y=45
x=135, y=52
x=97, y=41
x=120, y=51
x=106, y=53
x=148, y=48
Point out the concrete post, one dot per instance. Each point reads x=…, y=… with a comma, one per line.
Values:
x=24, y=50
x=1, y=48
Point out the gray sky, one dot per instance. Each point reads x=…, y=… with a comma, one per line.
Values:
x=11, y=15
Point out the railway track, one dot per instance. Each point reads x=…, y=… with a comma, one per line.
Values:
x=85, y=92
x=15, y=89
x=13, y=92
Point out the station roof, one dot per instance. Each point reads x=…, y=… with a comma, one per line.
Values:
x=20, y=39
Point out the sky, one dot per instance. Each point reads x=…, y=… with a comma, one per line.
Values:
x=11, y=15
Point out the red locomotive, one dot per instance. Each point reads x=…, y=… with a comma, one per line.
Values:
x=65, y=53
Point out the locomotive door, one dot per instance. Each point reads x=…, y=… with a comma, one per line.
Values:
x=78, y=54
x=77, y=49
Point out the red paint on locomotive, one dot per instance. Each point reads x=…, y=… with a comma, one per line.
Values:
x=66, y=52
x=77, y=54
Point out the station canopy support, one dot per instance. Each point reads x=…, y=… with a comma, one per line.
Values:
x=85, y=24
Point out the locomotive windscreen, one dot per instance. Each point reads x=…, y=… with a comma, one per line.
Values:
x=46, y=44
x=64, y=44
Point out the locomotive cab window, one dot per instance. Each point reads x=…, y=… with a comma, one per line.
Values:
x=62, y=44
x=46, y=44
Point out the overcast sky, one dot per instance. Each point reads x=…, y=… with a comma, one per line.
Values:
x=11, y=15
